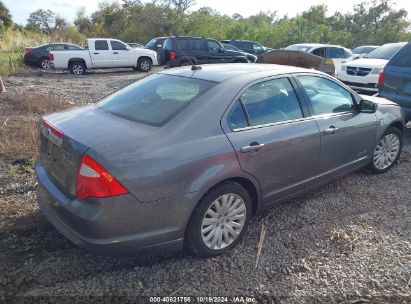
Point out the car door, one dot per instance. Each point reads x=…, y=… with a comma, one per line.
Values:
x=216, y=52
x=347, y=135
x=122, y=55
x=101, y=56
x=273, y=137
x=199, y=49
x=257, y=49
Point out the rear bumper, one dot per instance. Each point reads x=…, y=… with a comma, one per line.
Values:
x=117, y=227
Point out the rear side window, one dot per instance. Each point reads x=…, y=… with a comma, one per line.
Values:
x=181, y=44
x=101, y=45
x=197, y=44
x=156, y=99
x=334, y=52
x=402, y=58
x=265, y=103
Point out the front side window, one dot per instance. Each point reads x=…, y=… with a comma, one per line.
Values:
x=117, y=46
x=213, y=46
x=267, y=102
x=319, y=52
x=101, y=45
x=156, y=99
x=325, y=96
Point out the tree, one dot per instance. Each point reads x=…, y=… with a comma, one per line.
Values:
x=5, y=17
x=180, y=5
x=41, y=20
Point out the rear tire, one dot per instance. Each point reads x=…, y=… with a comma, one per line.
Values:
x=143, y=65
x=77, y=68
x=44, y=63
x=219, y=221
x=387, y=151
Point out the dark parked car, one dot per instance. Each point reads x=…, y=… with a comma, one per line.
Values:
x=186, y=156
x=156, y=44
x=395, y=80
x=251, y=58
x=39, y=56
x=186, y=50
x=248, y=46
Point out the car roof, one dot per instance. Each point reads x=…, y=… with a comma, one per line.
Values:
x=222, y=72
x=315, y=45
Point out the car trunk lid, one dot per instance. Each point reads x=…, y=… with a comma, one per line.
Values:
x=81, y=129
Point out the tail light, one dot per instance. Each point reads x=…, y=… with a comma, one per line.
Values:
x=172, y=56
x=381, y=79
x=93, y=180
x=28, y=51
x=51, y=56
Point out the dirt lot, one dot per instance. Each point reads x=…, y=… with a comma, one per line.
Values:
x=348, y=242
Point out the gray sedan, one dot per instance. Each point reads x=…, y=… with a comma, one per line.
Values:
x=185, y=157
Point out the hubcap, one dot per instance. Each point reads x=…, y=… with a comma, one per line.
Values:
x=386, y=151
x=223, y=221
x=77, y=69
x=145, y=65
x=44, y=63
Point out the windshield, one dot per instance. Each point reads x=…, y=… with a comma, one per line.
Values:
x=151, y=44
x=299, y=47
x=363, y=49
x=156, y=99
x=386, y=51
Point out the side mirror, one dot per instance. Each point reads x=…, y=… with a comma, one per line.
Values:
x=367, y=106
x=220, y=50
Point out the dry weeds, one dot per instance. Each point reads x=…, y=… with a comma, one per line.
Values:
x=19, y=126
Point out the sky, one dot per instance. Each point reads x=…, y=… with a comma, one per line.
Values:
x=21, y=9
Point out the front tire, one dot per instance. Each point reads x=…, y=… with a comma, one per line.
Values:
x=219, y=221
x=387, y=151
x=77, y=68
x=144, y=65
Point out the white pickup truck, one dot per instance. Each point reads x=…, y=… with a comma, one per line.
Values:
x=102, y=53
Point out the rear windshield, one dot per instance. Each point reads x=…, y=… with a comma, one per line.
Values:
x=156, y=99
x=385, y=52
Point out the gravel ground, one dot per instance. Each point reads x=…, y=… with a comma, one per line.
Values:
x=348, y=242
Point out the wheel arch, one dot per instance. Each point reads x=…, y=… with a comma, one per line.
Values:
x=73, y=60
x=398, y=125
x=144, y=57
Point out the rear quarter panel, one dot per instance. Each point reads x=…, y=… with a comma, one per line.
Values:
x=62, y=58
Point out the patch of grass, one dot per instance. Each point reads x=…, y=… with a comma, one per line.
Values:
x=20, y=166
x=19, y=131
x=11, y=63
x=36, y=104
x=19, y=138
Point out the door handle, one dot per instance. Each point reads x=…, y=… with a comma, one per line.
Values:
x=253, y=147
x=95, y=53
x=330, y=130
x=115, y=52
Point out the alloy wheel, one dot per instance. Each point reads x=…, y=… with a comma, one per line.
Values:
x=77, y=69
x=386, y=151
